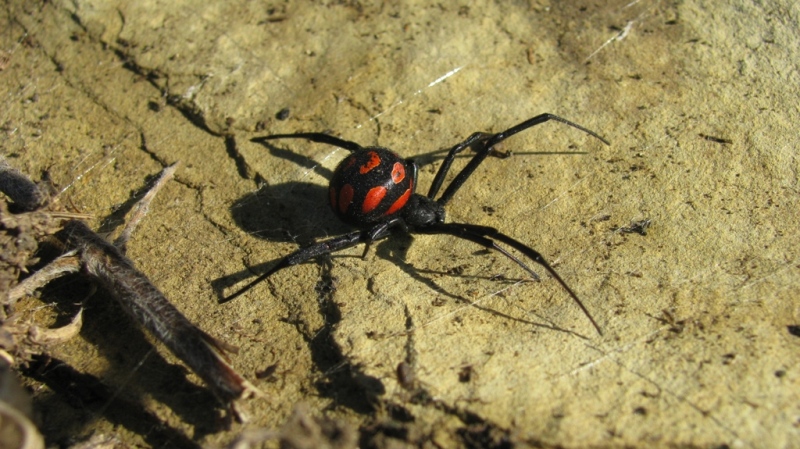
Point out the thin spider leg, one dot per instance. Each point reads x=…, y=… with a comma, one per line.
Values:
x=448, y=161
x=304, y=254
x=316, y=137
x=538, y=120
x=458, y=230
x=479, y=234
x=382, y=230
x=493, y=140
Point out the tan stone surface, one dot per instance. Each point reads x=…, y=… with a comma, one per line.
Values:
x=696, y=350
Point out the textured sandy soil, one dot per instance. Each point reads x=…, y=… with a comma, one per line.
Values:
x=700, y=103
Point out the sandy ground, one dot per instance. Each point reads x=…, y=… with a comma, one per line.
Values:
x=699, y=101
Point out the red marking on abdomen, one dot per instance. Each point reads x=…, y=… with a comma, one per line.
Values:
x=374, y=197
x=398, y=173
x=345, y=198
x=374, y=161
x=399, y=203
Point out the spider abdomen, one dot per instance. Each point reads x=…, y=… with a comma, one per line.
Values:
x=371, y=186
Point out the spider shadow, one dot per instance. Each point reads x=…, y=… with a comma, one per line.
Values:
x=297, y=212
x=294, y=212
x=291, y=212
x=389, y=251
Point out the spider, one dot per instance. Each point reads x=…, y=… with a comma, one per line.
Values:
x=372, y=189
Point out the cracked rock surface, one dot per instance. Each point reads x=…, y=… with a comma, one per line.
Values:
x=429, y=341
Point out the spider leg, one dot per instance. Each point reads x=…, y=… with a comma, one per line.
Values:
x=382, y=230
x=448, y=161
x=483, y=235
x=316, y=137
x=487, y=142
x=304, y=254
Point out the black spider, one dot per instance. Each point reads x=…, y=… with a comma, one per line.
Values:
x=373, y=189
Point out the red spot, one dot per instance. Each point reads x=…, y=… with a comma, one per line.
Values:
x=345, y=198
x=374, y=161
x=398, y=173
x=399, y=203
x=374, y=197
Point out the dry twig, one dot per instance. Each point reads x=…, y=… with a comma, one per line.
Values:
x=106, y=264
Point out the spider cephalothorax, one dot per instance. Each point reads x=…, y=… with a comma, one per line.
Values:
x=373, y=189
